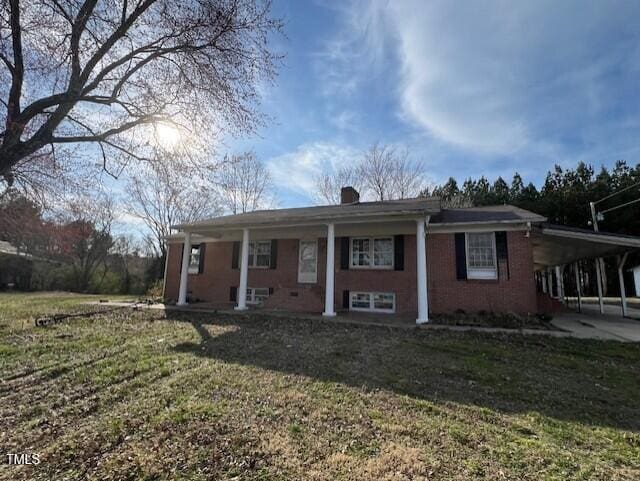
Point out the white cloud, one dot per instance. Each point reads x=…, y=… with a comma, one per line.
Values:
x=496, y=77
x=295, y=171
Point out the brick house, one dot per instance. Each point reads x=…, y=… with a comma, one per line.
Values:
x=401, y=257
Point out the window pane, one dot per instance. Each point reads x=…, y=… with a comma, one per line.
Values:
x=361, y=300
x=194, y=260
x=383, y=252
x=256, y=295
x=308, y=251
x=383, y=301
x=260, y=254
x=261, y=293
x=360, y=252
x=264, y=247
x=263, y=260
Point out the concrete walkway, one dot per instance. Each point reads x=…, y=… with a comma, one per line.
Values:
x=592, y=325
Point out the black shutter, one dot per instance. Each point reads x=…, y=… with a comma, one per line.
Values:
x=271, y=291
x=235, y=256
x=398, y=252
x=203, y=249
x=502, y=250
x=461, y=256
x=233, y=294
x=344, y=253
x=274, y=254
x=345, y=299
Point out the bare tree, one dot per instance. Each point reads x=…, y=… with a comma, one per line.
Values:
x=82, y=237
x=122, y=75
x=245, y=184
x=383, y=173
x=162, y=197
x=328, y=184
x=388, y=173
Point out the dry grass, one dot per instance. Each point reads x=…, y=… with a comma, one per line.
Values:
x=137, y=395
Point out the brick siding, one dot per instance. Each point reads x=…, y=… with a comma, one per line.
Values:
x=516, y=293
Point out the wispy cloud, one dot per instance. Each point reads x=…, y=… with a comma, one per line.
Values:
x=295, y=172
x=500, y=77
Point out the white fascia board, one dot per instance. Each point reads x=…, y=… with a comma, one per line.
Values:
x=510, y=225
x=598, y=237
x=302, y=223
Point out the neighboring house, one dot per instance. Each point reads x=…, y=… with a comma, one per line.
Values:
x=15, y=267
x=405, y=257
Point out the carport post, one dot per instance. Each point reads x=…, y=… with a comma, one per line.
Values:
x=623, y=294
x=576, y=270
x=599, y=282
x=560, y=283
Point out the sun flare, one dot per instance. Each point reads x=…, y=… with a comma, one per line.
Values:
x=167, y=135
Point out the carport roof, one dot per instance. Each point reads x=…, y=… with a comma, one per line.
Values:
x=556, y=245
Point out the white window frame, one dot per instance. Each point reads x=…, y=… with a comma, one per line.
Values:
x=372, y=253
x=194, y=267
x=308, y=277
x=254, y=300
x=372, y=307
x=482, y=273
x=253, y=258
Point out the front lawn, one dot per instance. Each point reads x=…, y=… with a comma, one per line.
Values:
x=18, y=310
x=144, y=395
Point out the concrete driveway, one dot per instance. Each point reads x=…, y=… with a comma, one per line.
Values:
x=592, y=325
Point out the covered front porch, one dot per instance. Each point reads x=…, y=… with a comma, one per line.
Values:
x=564, y=257
x=316, y=271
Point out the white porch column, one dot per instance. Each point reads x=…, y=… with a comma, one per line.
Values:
x=184, y=271
x=330, y=277
x=599, y=282
x=543, y=276
x=244, y=270
x=421, y=265
x=623, y=293
x=550, y=281
x=576, y=269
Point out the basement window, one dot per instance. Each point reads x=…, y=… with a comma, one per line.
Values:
x=257, y=295
x=372, y=301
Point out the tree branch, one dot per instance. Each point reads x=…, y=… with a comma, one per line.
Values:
x=17, y=73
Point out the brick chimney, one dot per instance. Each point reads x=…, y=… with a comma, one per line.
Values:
x=349, y=195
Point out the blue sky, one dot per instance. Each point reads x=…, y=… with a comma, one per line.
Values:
x=471, y=88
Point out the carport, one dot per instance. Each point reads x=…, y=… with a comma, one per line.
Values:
x=556, y=248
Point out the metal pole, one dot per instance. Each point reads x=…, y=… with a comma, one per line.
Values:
x=594, y=219
x=623, y=293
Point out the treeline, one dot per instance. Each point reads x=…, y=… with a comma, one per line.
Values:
x=563, y=198
x=74, y=250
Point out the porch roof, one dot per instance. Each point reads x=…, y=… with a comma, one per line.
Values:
x=557, y=245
